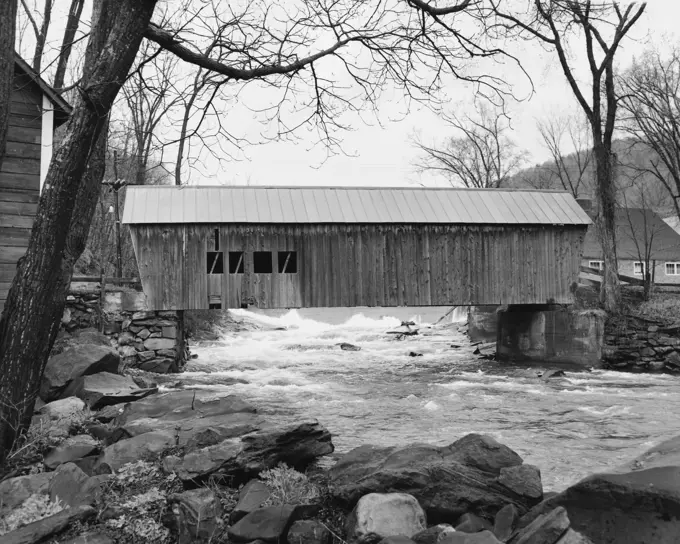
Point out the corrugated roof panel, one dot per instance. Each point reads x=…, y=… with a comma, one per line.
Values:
x=228, y=204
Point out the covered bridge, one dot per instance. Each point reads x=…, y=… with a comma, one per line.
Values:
x=287, y=247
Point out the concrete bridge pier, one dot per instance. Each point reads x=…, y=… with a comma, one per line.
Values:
x=550, y=334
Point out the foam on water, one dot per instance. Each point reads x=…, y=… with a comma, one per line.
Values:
x=291, y=367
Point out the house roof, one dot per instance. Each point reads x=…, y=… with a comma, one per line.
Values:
x=228, y=204
x=62, y=109
x=637, y=228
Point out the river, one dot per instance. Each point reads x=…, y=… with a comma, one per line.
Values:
x=569, y=427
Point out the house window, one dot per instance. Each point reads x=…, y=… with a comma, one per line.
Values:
x=287, y=262
x=236, y=262
x=596, y=264
x=639, y=268
x=215, y=262
x=672, y=269
x=262, y=262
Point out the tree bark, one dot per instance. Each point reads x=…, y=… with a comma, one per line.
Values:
x=606, y=225
x=8, y=15
x=35, y=303
x=72, y=23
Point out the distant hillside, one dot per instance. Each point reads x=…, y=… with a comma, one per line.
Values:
x=635, y=188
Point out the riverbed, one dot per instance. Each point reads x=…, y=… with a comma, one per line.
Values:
x=431, y=388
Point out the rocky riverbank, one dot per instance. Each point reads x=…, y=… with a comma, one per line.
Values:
x=113, y=458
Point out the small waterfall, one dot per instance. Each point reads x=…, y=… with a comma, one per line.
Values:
x=459, y=314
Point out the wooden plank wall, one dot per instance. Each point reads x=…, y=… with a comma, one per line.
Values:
x=364, y=265
x=19, y=177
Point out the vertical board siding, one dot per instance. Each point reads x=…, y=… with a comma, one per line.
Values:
x=362, y=265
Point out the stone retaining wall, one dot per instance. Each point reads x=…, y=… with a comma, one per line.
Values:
x=636, y=344
x=148, y=340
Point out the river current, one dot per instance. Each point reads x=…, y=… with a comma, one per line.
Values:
x=291, y=367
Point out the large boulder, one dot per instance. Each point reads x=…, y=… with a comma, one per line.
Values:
x=296, y=445
x=251, y=497
x=68, y=408
x=104, y=388
x=71, y=449
x=14, y=491
x=74, y=362
x=132, y=449
x=449, y=481
x=379, y=515
x=638, y=502
x=197, y=418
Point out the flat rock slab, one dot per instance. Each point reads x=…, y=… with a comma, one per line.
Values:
x=447, y=481
x=524, y=480
x=90, y=538
x=268, y=524
x=308, y=531
x=71, y=449
x=485, y=537
x=545, y=529
x=74, y=362
x=241, y=458
x=63, y=408
x=104, y=389
x=14, y=491
x=73, y=487
x=251, y=497
x=133, y=449
x=41, y=530
x=199, y=419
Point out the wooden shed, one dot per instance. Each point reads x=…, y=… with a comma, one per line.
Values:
x=35, y=111
x=286, y=247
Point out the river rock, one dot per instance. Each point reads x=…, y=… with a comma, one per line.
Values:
x=524, y=480
x=434, y=534
x=345, y=346
x=447, y=481
x=483, y=537
x=470, y=523
x=198, y=418
x=552, y=374
x=198, y=515
x=505, y=522
x=637, y=502
x=73, y=487
x=71, y=449
x=296, y=445
x=384, y=514
x=251, y=497
x=545, y=529
x=268, y=524
x=159, y=343
x=67, y=408
x=132, y=449
x=103, y=389
x=14, y=491
x=159, y=365
x=42, y=530
x=308, y=531
x=74, y=362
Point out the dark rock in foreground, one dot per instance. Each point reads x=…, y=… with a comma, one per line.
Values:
x=268, y=524
x=296, y=445
x=41, y=530
x=447, y=482
x=77, y=361
x=639, y=502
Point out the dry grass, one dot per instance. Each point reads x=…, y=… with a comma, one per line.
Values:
x=288, y=486
x=662, y=306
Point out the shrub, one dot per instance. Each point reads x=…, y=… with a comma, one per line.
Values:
x=288, y=486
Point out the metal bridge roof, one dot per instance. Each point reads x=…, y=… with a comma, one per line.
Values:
x=151, y=204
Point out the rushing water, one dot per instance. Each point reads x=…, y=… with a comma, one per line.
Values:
x=569, y=427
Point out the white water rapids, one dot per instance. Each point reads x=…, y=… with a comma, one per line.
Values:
x=569, y=427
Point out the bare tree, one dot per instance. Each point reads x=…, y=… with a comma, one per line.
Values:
x=650, y=100
x=602, y=26
x=39, y=30
x=570, y=168
x=481, y=155
x=73, y=21
x=410, y=46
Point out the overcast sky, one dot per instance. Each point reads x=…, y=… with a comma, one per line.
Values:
x=383, y=154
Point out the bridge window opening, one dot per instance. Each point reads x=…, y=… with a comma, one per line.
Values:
x=287, y=262
x=236, y=262
x=215, y=262
x=262, y=262
x=215, y=306
x=216, y=239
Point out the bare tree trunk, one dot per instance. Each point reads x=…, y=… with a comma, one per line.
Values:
x=72, y=23
x=35, y=302
x=606, y=225
x=8, y=16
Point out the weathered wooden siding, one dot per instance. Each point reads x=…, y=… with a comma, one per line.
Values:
x=362, y=265
x=19, y=178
